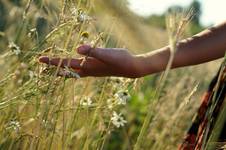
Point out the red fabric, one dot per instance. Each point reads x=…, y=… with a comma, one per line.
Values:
x=201, y=126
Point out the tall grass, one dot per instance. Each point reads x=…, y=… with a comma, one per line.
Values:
x=44, y=111
x=40, y=110
x=176, y=25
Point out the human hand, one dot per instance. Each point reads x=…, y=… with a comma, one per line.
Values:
x=100, y=62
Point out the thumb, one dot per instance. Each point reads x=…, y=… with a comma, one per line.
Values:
x=103, y=54
x=84, y=49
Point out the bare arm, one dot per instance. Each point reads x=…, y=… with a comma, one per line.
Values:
x=203, y=47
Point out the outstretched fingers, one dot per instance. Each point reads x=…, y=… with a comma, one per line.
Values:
x=107, y=55
x=72, y=63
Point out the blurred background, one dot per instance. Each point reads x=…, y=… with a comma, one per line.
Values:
x=139, y=26
x=210, y=11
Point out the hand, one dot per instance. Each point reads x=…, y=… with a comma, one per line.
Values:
x=100, y=62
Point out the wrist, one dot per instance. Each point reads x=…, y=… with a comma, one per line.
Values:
x=140, y=65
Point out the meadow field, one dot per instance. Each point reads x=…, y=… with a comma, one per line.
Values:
x=39, y=110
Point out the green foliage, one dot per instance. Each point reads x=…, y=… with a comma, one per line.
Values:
x=195, y=26
x=2, y=17
x=196, y=6
x=157, y=21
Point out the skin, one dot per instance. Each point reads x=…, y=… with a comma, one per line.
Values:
x=203, y=47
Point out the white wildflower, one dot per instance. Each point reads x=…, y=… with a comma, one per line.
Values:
x=122, y=97
x=80, y=15
x=47, y=124
x=118, y=120
x=32, y=32
x=86, y=101
x=15, y=49
x=15, y=125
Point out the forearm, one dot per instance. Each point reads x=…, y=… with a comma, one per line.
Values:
x=203, y=47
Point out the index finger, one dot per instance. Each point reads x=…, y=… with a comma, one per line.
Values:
x=72, y=63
